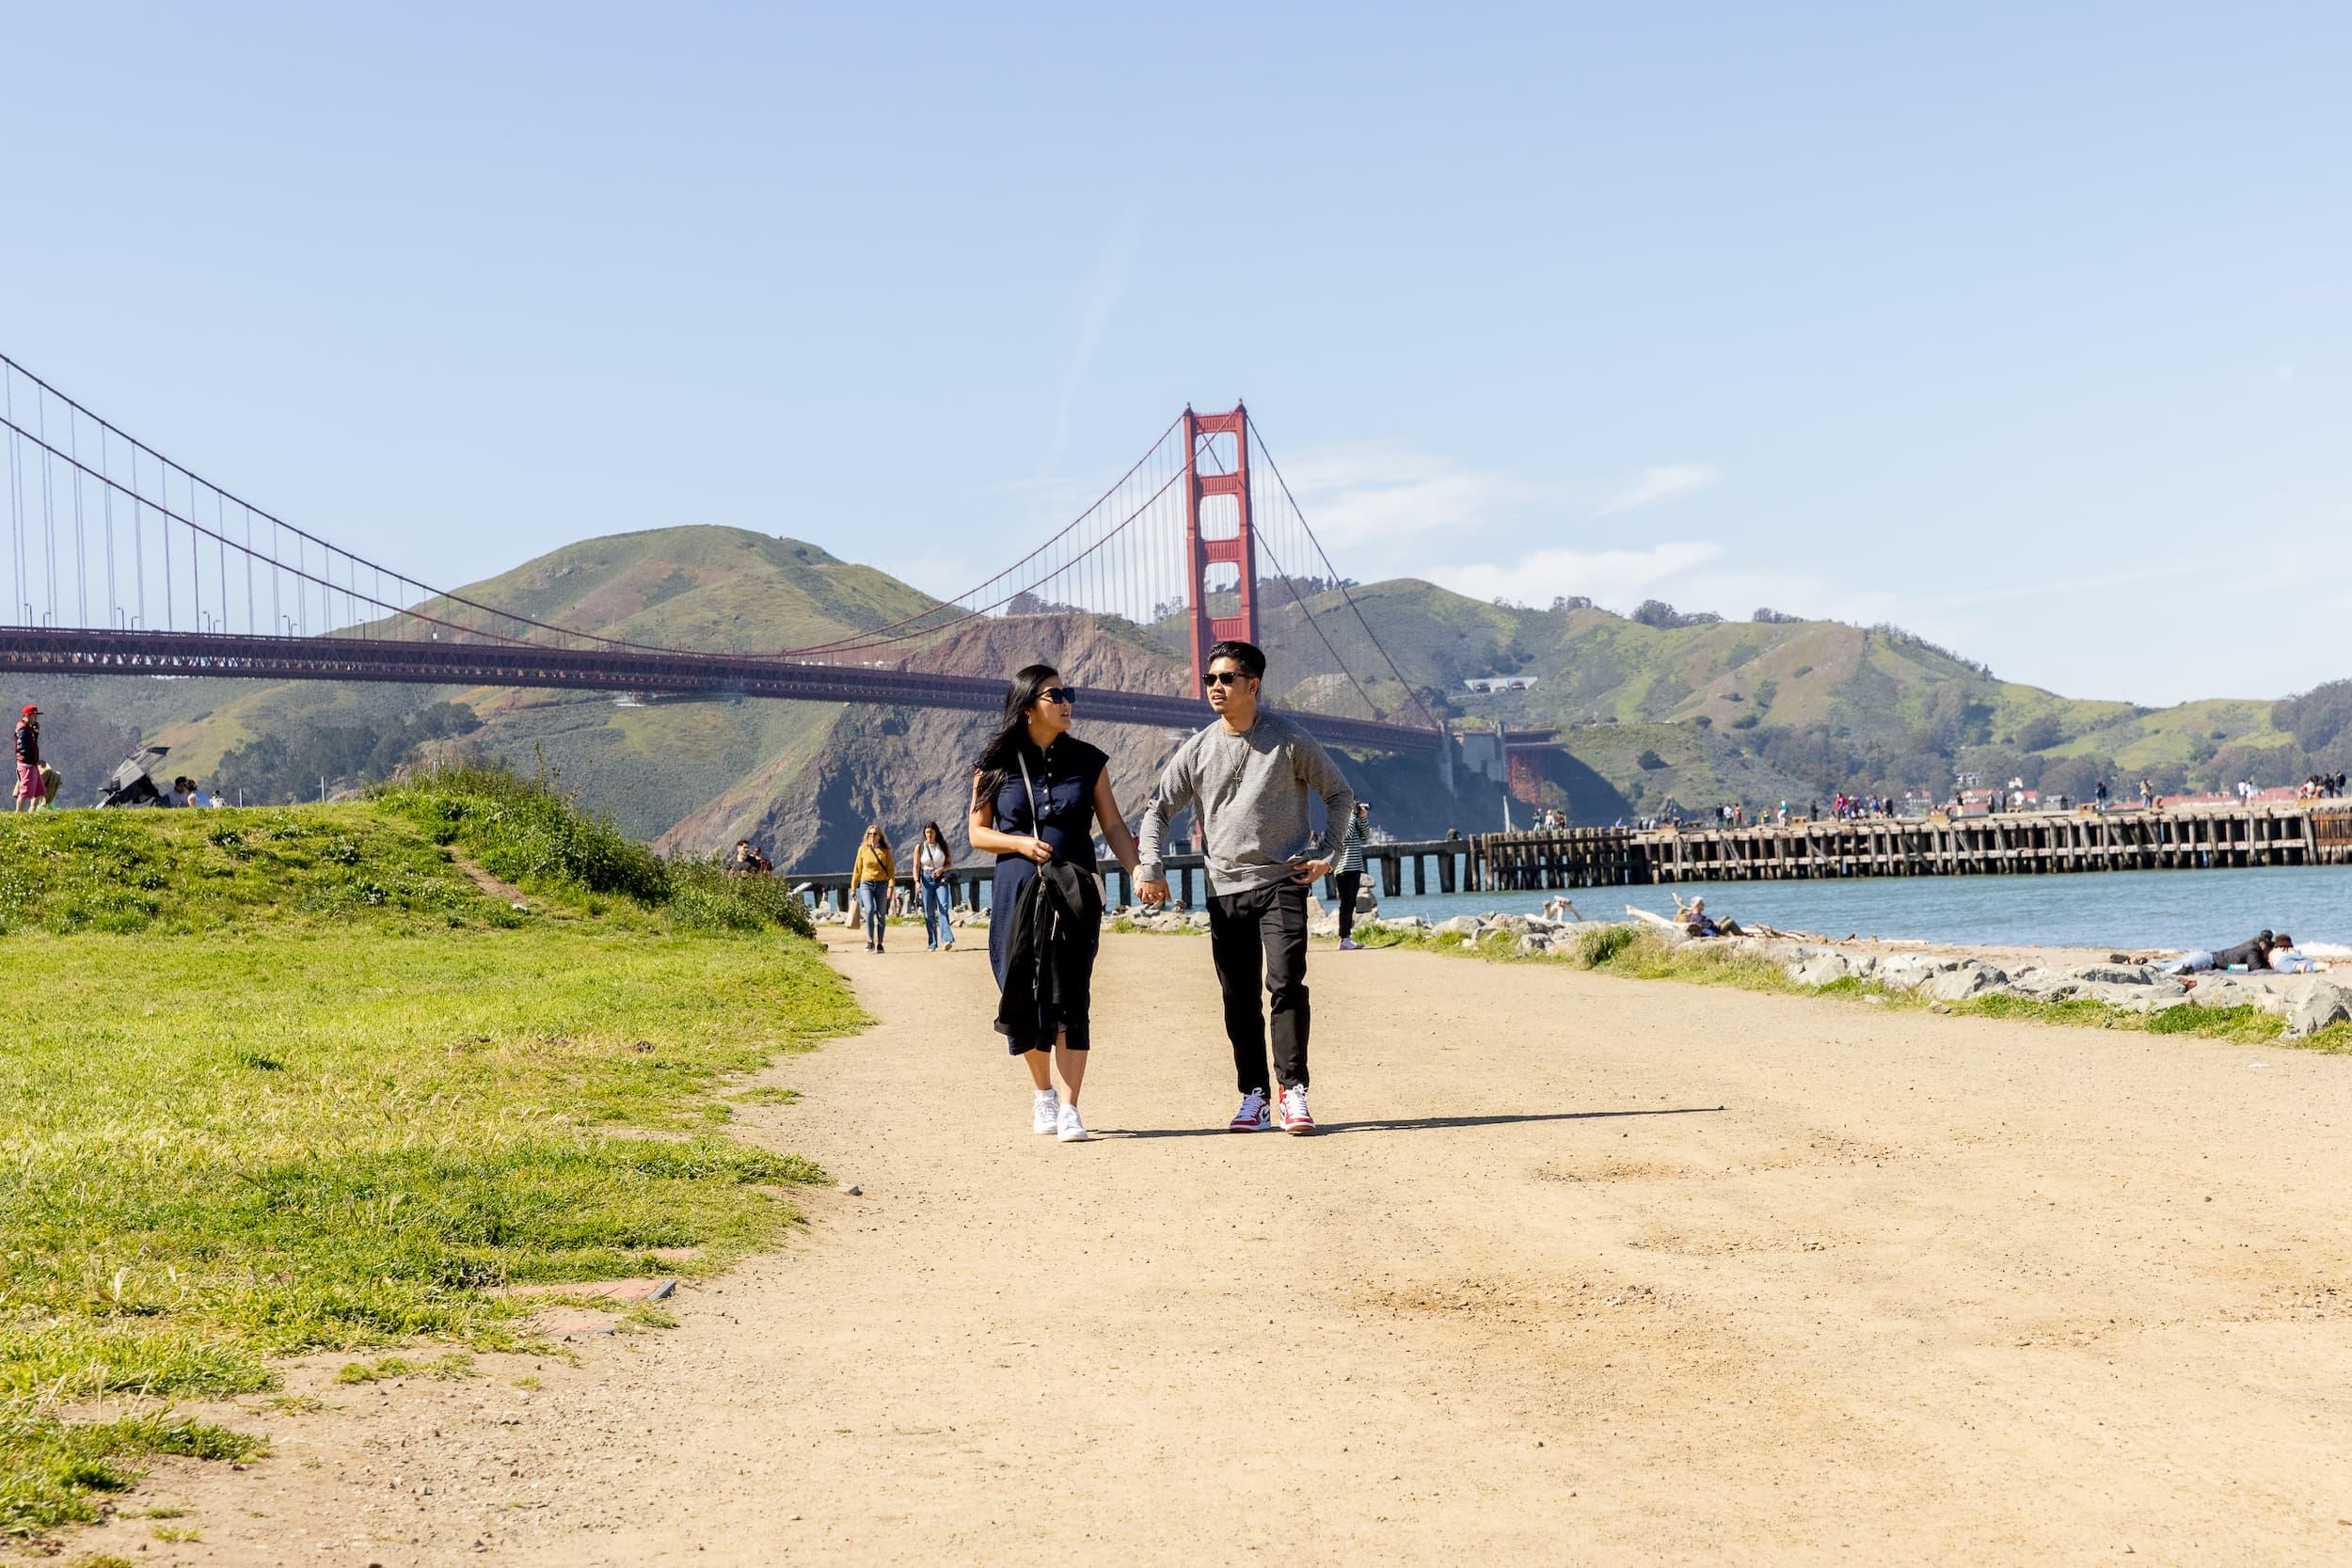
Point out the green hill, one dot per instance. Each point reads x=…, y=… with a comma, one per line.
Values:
x=1648, y=708
x=1807, y=708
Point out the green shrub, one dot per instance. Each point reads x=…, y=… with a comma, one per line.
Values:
x=706, y=895
x=523, y=831
x=1592, y=948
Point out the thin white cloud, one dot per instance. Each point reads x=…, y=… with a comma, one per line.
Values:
x=1655, y=487
x=1614, y=577
x=1095, y=305
x=2043, y=588
x=1364, y=493
x=1736, y=592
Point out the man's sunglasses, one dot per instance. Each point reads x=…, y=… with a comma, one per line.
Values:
x=1059, y=694
x=1223, y=678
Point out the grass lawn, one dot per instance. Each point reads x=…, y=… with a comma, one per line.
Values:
x=307, y=1089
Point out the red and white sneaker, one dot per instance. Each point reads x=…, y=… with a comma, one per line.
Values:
x=1296, y=1117
x=1255, y=1115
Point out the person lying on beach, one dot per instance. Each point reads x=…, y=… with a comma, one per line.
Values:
x=2251, y=956
x=2285, y=959
x=2255, y=954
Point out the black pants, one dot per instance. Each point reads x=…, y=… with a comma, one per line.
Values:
x=1349, y=884
x=1254, y=935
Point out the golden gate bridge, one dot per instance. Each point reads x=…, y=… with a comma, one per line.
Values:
x=124, y=562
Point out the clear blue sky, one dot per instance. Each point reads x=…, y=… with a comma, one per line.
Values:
x=2029, y=328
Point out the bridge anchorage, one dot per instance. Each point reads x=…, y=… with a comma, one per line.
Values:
x=122, y=562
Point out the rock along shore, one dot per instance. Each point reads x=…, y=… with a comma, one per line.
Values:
x=1938, y=972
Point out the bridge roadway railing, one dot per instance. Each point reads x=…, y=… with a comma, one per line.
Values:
x=457, y=662
x=971, y=882
x=1456, y=860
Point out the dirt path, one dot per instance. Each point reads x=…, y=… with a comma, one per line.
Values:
x=1581, y=1270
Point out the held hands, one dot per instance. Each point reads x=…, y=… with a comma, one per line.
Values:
x=1309, y=872
x=1153, y=892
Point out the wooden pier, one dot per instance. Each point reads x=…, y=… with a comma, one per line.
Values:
x=2193, y=838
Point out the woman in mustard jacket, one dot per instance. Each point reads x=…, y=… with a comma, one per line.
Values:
x=870, y=883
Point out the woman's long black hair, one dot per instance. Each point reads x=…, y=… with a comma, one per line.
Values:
x=1001, y=755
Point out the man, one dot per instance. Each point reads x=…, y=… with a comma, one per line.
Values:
x=30, y=795
x=1348, y=876
x=2255, y=954
x=1248, y=778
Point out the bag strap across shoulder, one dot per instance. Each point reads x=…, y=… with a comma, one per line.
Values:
x=1036, y=825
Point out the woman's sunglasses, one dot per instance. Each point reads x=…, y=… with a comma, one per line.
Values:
x=1223, y=678
x=1060, y=695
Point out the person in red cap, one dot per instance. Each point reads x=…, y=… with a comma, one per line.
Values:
x=31, y=792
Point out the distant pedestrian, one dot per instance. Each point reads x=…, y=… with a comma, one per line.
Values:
x=1251, y=775
x=870, y=883
x=933, y=860
x=1348, y=873
x=2099, y=797
x=1039, y=795
x=749, y=861
x=30, y=795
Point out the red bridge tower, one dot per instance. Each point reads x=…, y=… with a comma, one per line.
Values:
x=1223, y=538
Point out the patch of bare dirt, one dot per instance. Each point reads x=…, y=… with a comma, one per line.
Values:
x=2078, y=1301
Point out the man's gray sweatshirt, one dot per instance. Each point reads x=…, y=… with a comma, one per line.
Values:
x=1250, y=791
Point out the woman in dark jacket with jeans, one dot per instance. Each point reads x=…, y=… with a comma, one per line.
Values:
x=1038, y=793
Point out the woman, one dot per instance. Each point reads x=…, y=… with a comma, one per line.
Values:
x=870, y=883
x=933, y=862
x=1037, y=794
x=1347, y=877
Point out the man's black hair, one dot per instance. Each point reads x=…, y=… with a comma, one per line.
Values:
x=1246, y=655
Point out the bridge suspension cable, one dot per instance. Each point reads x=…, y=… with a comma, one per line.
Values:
x=1290, y=504
x=160, y=581
x=96, y=514
x=1098, y=561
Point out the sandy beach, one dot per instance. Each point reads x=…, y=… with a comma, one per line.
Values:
x=1579, y=1270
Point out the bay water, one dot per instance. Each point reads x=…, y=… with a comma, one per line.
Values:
x=2120, y=909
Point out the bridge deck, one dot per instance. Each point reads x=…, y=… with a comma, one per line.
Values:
x=456, y=662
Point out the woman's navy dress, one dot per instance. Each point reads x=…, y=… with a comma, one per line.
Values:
x=1064, y=778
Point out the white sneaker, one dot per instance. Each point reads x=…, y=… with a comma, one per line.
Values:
x=1045, y=1118
x=1294, y=1117
x=1349, y=944
x=1255, y=1115
x=1073, y=1129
